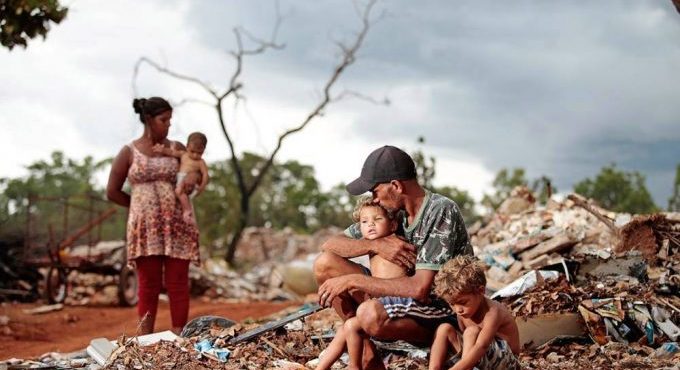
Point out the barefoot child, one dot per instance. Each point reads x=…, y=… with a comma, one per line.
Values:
x=375, y=222
x=490, y=339
x=192, y=171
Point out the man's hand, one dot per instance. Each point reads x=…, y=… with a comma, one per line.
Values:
x=333, y=287
x=396, y=250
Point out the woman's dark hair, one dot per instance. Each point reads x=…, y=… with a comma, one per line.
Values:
x=152, y=107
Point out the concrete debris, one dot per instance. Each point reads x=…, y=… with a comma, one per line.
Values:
x=604, y=295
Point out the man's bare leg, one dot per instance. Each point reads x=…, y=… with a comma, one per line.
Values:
x=376, y=323
x=329, y=265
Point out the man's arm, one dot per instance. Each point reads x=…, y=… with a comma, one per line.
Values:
x=347, y=247
x=417, y=286
x=490, y=326
x=392, y=248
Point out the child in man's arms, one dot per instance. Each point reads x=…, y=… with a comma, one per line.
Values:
x=375, y=222
x=490, y=339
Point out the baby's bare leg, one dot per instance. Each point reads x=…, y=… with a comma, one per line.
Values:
x=355, y=343
x=334, y=350
x=183, y=189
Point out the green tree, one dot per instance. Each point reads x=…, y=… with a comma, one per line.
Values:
x=464, y=201
x=618, y=191
x=425, y=165
x=543, y=188
x=221, y=99
x=293, y=197
x=62, y=196
x=335, y=207
x=22, y=20
x=288, y=195
x=503, y=183
x=425, y=169
x=674, y=200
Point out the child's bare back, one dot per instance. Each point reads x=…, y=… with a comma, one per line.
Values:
x=501, y=318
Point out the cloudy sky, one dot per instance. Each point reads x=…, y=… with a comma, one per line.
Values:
x=559, y=88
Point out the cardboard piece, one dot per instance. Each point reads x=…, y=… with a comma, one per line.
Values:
x=101, y=348
x=537, y=330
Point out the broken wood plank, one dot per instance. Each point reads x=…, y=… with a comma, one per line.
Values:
x=556, y=244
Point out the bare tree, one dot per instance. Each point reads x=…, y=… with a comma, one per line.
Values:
x=248, y=188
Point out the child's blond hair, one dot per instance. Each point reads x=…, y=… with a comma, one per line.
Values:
x=367, y=201
x=460, y=275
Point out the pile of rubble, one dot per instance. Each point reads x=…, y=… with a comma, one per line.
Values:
x=522, y=237
x=591, y=289
x=281, y=267
x=297, y=345
x=612, y=281
x=272, y=260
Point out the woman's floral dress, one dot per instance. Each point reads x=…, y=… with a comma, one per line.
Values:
x=155, y=225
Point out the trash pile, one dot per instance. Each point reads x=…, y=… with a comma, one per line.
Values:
x=297, y=345
x=281, y=267
x=611, y=280
x=590, y=289
x=274, y=260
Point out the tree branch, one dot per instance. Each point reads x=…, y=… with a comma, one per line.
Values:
x=170, y=73
x=348, y=58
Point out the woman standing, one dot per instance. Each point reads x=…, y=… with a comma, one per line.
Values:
x=159, y=243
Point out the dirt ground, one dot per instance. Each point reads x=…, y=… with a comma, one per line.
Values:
x=72, y=328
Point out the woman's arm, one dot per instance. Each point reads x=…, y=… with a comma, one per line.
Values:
x=117, y=176
x=167, y=151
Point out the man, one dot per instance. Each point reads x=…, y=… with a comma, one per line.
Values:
x=431, y=232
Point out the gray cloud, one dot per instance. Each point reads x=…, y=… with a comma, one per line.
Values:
x=560, y=88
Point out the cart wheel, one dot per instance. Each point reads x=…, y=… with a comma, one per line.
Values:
x=55, y=285
x=127, y=287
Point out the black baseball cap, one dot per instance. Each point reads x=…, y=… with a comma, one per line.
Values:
x=383, y=165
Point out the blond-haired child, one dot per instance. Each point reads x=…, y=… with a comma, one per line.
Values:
x=375, y=222
x=489, y=339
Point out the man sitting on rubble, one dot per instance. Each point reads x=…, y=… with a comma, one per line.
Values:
x=431, y=231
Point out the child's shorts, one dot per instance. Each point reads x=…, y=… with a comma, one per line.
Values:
x=430, y=315
x=498, y=356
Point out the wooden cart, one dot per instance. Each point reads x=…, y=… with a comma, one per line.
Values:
x=63, y=249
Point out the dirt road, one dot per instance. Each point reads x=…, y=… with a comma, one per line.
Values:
x=72, y=328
